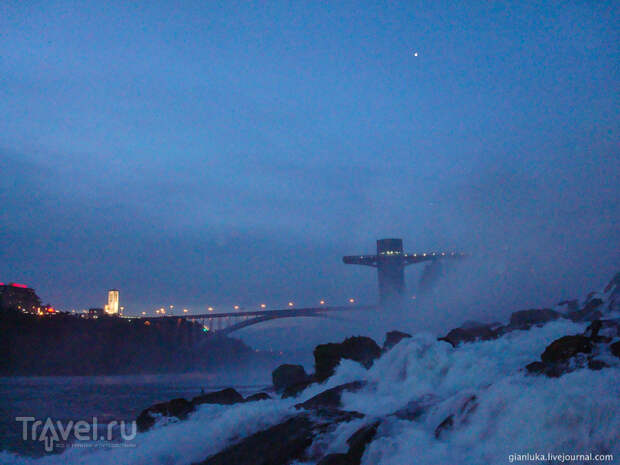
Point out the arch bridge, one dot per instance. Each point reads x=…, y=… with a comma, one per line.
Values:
x=225, y=323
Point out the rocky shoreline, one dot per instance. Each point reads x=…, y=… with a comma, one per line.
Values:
x=597, y=348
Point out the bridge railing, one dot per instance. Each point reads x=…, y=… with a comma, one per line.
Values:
x=231, y=321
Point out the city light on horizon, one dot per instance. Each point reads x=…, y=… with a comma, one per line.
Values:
x=350, y=155
x=165, y=310
x=112, y=307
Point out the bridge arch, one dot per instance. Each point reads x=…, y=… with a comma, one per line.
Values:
x=261, y=319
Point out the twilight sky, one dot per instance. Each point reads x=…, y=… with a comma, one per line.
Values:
x=211, y=153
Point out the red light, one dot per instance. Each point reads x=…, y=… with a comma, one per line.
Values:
x=51, y=310
x=23, y=286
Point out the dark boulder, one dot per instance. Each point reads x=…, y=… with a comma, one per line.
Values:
x=584, y=315
x=392, y=338
x=614, y=297
x=461, y=416
x=555, y=358
x=445, y=425
x=589, y=312
x=359, y=349
x=571, y=305
x=470, y=324
x=410, y=412
x=471, y=333
x=328, y=417
x=535, y=367
x=226, y=396
x=603, y=330
x=357, y=445
x=331, y=397
x=178, y=408
x=415, y=408
x=552, y=370
x=284, y=443
x=614, y=283
x=596, y=365
x=593, y=303
x=295, y=389
x=359, y=440
x=288, y=375
x=525, y=319
x=279, y=445
x=566, y=347
x=593, y=330
x=257, y=396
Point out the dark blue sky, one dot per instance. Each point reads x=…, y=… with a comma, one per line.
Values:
x=230, y=152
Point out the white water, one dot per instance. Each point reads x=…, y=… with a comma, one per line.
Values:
x=577, y=413
x=515, y=414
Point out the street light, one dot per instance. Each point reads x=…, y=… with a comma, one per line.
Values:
x=351, y=300
x=210, y=309
x=322, y=302
x=263, y=306
x=184, y=310
x=236, y=307
x=290, y=304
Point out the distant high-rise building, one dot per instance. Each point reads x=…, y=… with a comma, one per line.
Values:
x=18, y=297
x=112, y=306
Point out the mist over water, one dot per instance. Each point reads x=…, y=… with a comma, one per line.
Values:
x=224, y=154
x=486, y=286
x=511, y=412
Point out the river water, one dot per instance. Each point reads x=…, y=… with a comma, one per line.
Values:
x=106, y=397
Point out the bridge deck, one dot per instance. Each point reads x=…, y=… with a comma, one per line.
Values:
x=278, y=312
x=232, y=321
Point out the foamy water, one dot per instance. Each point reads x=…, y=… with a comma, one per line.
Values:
x=514, y=413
